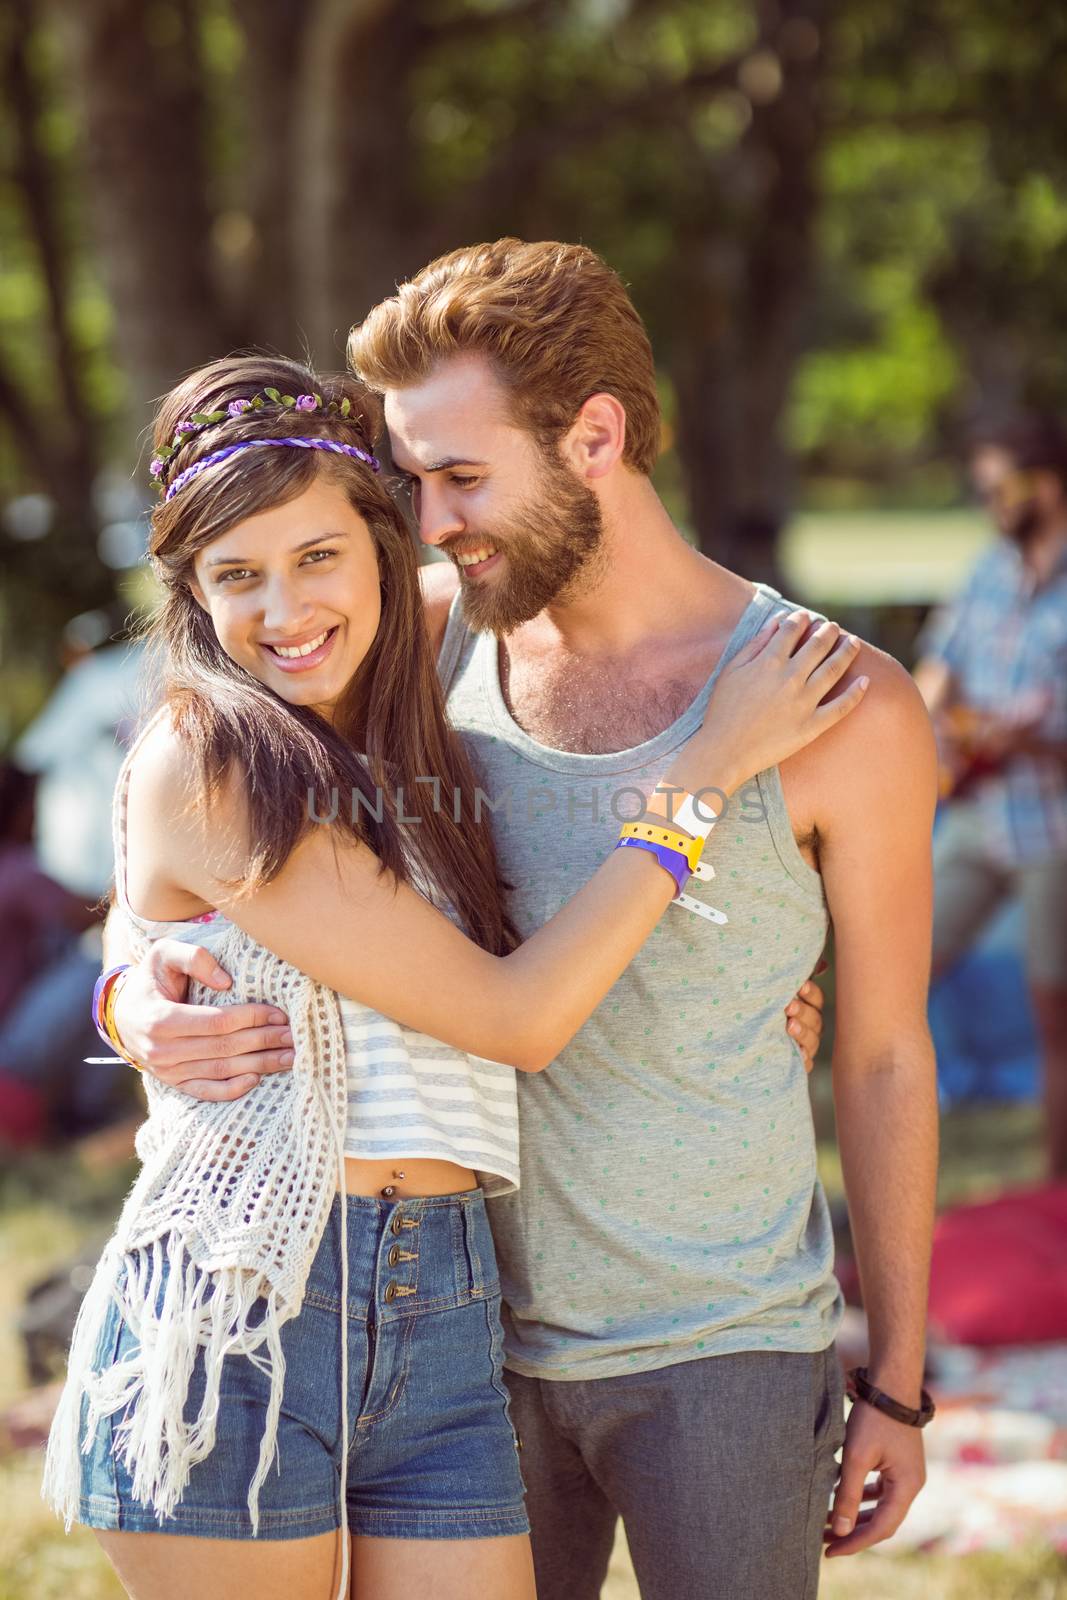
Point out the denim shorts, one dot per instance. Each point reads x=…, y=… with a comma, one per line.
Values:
x=431, y=1450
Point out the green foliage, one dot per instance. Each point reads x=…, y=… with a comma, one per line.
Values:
x=935, y=289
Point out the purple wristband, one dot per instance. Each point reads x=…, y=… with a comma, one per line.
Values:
x=98, y=994
x=672, y=860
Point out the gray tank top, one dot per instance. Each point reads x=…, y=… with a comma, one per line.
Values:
x=670, y=1205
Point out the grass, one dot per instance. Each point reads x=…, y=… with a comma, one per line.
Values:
x=50, y=1206
x=871, y=558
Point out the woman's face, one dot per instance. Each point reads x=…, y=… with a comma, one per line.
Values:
x=294, y=595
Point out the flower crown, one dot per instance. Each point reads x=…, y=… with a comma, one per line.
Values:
x=270, y=399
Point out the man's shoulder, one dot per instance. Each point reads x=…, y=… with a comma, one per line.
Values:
x=883, y=754
x=439, y=582
x=881, y=750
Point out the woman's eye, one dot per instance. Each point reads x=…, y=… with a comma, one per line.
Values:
x=234, y=575
x=315, y=556
x=461, y=482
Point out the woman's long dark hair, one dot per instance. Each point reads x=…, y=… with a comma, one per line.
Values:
x=393, y=709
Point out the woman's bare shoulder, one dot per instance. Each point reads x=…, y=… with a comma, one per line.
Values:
x=167, y=805
x=162, y=768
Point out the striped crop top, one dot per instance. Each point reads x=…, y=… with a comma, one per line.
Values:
x=409, y=1096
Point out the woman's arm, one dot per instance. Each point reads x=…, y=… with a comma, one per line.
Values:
x=331, y=913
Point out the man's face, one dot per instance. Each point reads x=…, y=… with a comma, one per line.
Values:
x=1014, y=497
x=522, y=528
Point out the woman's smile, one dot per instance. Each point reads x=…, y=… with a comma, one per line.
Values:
x=302, y=655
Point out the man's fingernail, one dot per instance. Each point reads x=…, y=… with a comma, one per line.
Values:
x=222, y=977
x=842, y=1525
x=277, y=1016
x=286, y=1058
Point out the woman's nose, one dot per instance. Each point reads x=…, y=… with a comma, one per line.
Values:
x=284, y=608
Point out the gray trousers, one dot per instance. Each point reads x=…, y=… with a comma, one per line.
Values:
x=721, y=1469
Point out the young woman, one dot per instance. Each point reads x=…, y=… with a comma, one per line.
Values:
x=295, y=1327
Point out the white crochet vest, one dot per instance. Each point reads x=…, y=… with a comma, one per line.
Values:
x=234, y=1196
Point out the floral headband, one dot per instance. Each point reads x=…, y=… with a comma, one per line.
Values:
x=201, y=420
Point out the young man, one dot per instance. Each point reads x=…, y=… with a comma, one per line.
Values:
x=993, y=673
x=668, y=1261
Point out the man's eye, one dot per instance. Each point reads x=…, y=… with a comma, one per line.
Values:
x=461, y=482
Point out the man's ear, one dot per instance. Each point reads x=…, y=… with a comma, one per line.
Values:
x=597, y=437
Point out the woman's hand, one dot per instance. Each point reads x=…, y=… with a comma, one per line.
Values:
x=768, y=702
x=804, y=1018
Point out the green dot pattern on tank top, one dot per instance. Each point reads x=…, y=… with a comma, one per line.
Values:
x=680, y=1094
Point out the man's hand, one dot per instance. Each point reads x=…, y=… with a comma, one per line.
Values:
x=874, y=1443
x=209, y=1052
x=805, y=1018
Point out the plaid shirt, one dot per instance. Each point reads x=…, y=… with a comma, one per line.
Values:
x=1005, y=641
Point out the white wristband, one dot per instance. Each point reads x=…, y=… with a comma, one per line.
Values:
x=697, y=822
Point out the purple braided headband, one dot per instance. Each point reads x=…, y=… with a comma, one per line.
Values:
x=249, y=444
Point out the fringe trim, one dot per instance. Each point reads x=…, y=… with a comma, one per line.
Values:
x=195, y=1310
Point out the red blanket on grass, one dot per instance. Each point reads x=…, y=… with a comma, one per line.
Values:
x=1000, y=1270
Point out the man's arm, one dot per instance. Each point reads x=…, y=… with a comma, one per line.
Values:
x=210, y=1052
x=877, y=793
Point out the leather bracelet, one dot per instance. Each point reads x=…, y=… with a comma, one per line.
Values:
x=861, y=1388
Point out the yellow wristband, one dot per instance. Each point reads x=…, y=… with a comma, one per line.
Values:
x=109, y=1023
x=686, y=845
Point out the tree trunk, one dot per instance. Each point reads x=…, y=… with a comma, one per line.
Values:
x=264, y=282
x=61, y=443
x=745, y=284
x=139, y=78
x=357, y=222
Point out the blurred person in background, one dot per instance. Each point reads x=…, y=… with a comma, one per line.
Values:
x=993, y=672
x=77, y=743
x=45, y=978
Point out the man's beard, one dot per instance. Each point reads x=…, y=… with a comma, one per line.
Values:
x=550, y=548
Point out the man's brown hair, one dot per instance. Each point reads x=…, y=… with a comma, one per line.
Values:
x=553, y=319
